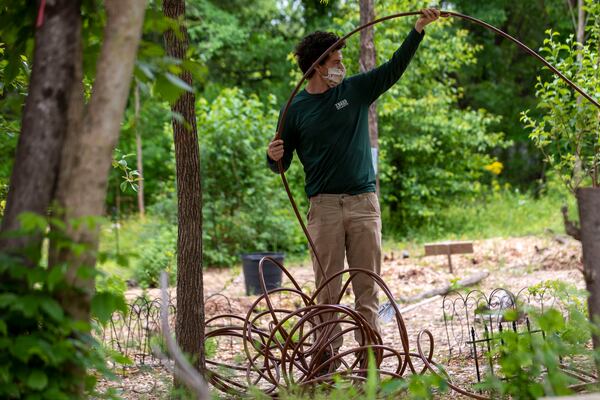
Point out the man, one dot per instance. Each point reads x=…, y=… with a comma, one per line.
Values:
x=327, y=126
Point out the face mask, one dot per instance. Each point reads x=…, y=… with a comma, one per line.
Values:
x=334, y=76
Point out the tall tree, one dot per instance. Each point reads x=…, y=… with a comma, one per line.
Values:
x=65, y=147
x=189, y=327
x=368, y=59
x=35, y=171
x=92, y=133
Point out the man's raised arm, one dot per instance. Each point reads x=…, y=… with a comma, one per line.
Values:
x=375, y=82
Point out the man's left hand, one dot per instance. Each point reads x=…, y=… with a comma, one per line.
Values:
x=428, y=15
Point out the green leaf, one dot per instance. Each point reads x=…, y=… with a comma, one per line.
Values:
x=511, y=315
x=177, y=81
x=26, y=346
x=372, y=377
x=120, y=358
x=104, y=304
x=146, y=69
x=28, y=305
x=166, y=90
x=53, y=309
x=37, y=380
x=86, y=272
x=90, y=381
x=55, y=276
x=392, y=386
x=32, y=222
x=6, y=299
x=35, y=275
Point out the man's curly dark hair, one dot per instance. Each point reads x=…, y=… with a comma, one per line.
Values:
x=312, y=46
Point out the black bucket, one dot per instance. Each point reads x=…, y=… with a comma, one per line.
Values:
x=271, y=271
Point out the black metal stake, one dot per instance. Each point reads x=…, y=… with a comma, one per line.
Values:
x=489, y=346
x=475, y=355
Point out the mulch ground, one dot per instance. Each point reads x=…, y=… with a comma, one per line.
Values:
x=512, y=263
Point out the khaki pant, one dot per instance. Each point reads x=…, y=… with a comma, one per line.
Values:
x=347, y=226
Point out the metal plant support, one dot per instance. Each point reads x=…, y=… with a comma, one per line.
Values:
x=474, y=323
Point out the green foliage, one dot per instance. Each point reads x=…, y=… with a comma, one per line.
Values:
x=245, y=209
x=155, y=71
x=414, y=387
x=244, y=43
x=13, y=87
x=130, y=177
x=501, y=212
x=154, y=126
x=531, y=363
x=534, y=364
x=42, y=348
x=157, y=245
x=503, y=78
x=568, y=132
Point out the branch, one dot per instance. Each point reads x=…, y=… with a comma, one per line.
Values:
x=572, y=14
x=571, y=228
x=468, y=281
x=386, y=310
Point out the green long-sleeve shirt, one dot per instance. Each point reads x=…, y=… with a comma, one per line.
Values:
x=330, y=131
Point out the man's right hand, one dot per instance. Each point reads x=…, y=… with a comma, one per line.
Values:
x=275, y=150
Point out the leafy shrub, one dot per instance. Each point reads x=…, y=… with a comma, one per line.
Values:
x=156, y=252
x=42, y=348
x=567, y=132
x=492, y=213
x=244, y=206
x=533, y=363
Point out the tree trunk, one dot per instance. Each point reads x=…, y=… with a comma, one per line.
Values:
x=190, y=299
x=91, y=138
x=588, y=200
x=37, y=159
x=580, y=21
x=138, y=144
x=368, y=60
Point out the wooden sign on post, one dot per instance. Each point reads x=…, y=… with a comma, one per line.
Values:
x=448, y=248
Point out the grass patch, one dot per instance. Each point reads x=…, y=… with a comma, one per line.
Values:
x=121, y=242
x=505, y=213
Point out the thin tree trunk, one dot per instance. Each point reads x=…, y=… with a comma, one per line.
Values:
x=588, y=200
x=580, y=36
x=189, y=327
x=91, y=138
x=368, y=59
x=37, y=159
x=580, y=21
x=138, y=144
x=91, y=134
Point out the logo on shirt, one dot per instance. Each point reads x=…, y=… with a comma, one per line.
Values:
x=341, y=104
